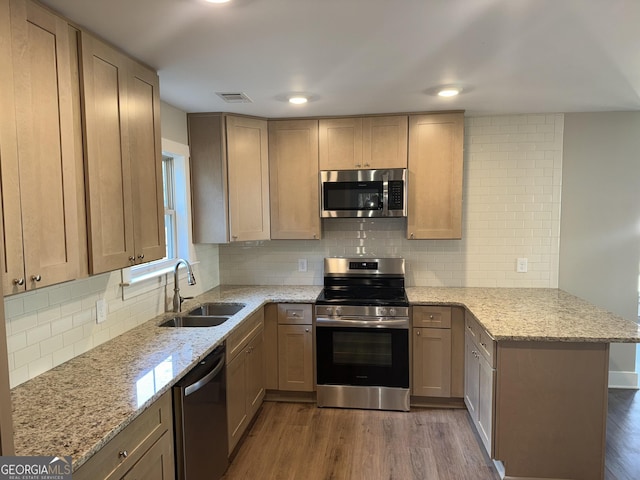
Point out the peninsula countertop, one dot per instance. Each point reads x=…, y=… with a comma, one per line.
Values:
x=75, y=408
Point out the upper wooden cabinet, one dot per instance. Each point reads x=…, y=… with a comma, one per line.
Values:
x=229, y=178
x=41, y=184
x=435, y=176
x=294, y=190
x=123, y=158
x=363, y=142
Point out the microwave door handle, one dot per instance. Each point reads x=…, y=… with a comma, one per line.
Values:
x=385, y=194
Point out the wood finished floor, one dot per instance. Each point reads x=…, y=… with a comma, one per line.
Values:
x=623, y=436
x=301, y=441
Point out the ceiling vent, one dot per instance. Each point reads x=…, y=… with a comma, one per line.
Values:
x=234, y=97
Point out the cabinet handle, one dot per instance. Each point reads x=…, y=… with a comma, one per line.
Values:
x=36, y=278
x=234, y=237
x=484, y=345
x=18, y=281
x=123, y=454
x=141, y=256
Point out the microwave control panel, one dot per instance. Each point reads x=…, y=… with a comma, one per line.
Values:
x=396, y=195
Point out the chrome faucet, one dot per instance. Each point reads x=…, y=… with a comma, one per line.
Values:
x=191, y=280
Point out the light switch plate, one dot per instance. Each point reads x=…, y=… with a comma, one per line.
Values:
x=302, y=264
x=522, y=265
x=101, y=310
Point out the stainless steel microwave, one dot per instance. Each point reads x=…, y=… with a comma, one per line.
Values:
x=363, y=193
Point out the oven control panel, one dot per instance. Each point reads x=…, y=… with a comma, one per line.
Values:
x=360, y=310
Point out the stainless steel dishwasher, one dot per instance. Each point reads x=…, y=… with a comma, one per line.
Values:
x=200, y=416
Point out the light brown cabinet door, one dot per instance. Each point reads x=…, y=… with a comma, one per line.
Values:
x=471, y=377
x=295, y=358
x=157, y=463
x=432, y=362
x=255, y=374
x=123, y=159
x=11, y=225
x=294, y=184
x=435, y=176
x=248, y=172
x=237, y=418
x=340, y=143
x=8, y=151
x=384, y=142
x=486, y=376
x=145, y=152
x=47, y=129
x=108, y=170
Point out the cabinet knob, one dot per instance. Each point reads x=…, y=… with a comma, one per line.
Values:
x=18, y=281
x=431, y=317
x=123, y=454
x=358, y=165
x=315, y=235
x=411, y=235
x=141, y=256
x=36, y=278
x=132, y=258
x=418, y=333
x=483, y=344
x=367, y=165
x=306, y=330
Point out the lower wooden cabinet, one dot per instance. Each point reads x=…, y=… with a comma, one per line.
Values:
x=431, y=362
x=142, y=451
x=479, y=380
x=437, y=352
x=245, y=376
x=290, y=347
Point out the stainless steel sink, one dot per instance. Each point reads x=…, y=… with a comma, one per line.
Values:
x=195, y=321
x=216, y=309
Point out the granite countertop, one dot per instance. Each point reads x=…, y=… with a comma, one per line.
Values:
x=533, y=314
x=77, y=407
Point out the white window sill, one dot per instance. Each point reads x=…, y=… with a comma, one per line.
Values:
x=135, y=285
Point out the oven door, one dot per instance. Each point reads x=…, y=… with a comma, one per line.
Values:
x=362, y=356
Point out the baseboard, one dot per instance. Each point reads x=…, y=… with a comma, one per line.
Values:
x=623, y=379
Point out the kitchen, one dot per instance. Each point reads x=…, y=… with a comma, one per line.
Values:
x=475, y=260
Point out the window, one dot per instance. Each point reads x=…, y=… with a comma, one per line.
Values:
x=170, y=223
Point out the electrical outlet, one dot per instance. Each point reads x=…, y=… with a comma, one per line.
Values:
x=522, y=265
x=302, y=264
x=101, y=310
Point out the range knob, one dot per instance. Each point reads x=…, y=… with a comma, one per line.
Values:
x=392, y=312
x=337, y=311
x=382, y=311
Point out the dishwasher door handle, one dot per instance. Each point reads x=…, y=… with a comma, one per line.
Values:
x=194, y=387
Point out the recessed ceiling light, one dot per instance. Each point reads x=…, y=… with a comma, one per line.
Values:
x=217, y=1
x=298, y=99
x=449, y=91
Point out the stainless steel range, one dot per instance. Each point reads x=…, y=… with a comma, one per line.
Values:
x=362, y=335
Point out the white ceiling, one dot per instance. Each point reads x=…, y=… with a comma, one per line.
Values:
x=378, y=56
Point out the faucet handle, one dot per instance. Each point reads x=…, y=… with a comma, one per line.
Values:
x=185, y=298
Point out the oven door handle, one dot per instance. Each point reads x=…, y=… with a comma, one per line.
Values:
x=366, y=322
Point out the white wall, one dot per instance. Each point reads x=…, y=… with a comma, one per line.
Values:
x=511, y=201
x=600, y=239
x=54, y=324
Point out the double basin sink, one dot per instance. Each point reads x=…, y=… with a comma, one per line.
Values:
x=206, y=315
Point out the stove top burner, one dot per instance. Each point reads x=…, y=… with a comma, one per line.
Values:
x=375, y=282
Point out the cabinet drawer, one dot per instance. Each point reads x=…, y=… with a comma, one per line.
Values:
x=294, y=313
x=241, y=336
x=431, y=316
x=114, y=459
x=486, y=345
